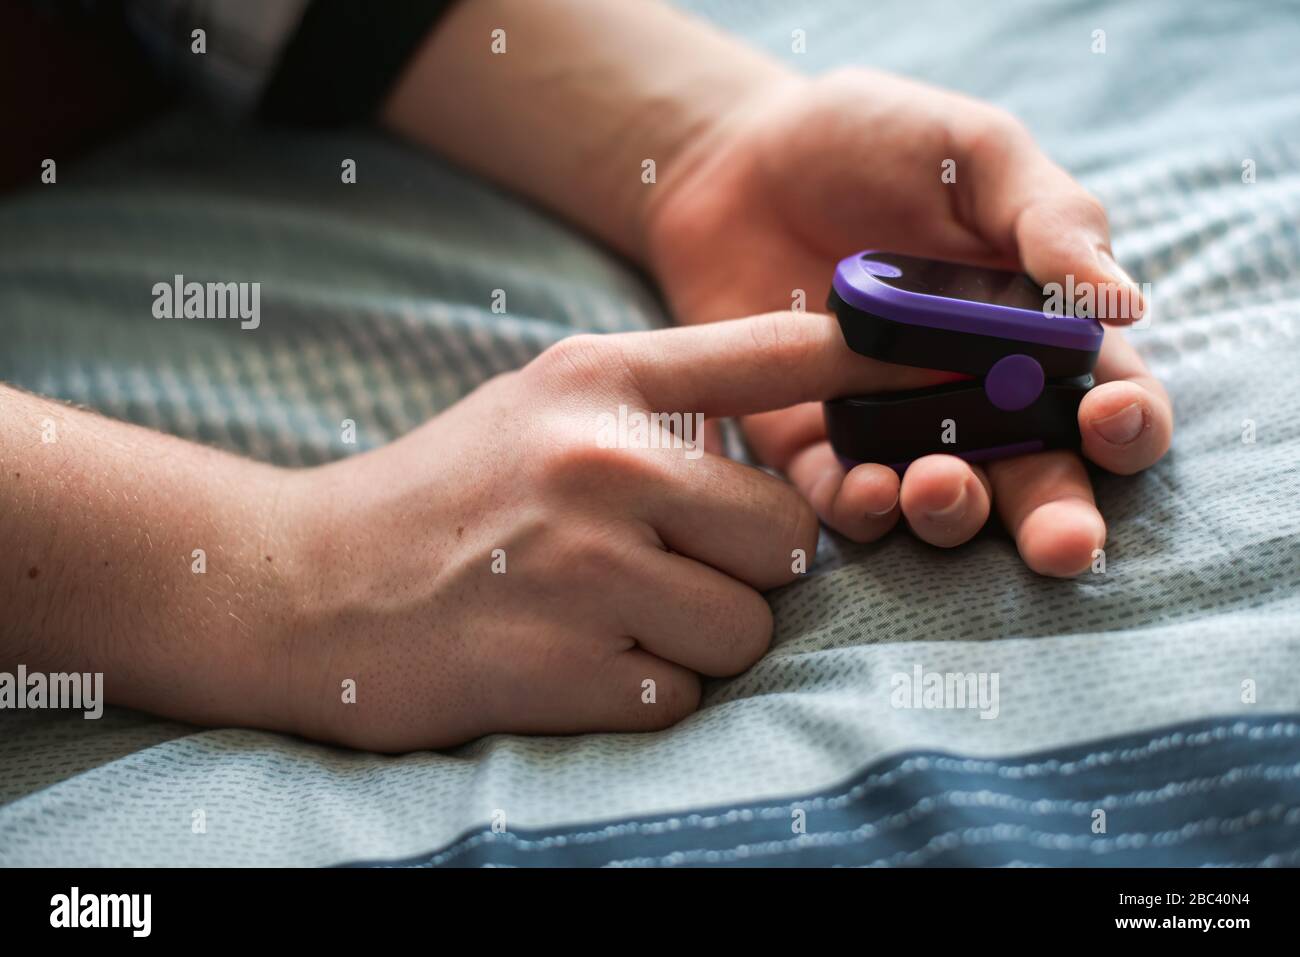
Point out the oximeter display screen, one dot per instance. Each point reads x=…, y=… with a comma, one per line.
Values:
x=954, y=281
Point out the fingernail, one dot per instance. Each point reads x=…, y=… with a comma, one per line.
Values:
x=1122, y=427
x=829, y=475
x=884, y=511
x=1137, y=304
x=950, y=513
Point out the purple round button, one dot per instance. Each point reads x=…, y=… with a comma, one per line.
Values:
x=1014, y=383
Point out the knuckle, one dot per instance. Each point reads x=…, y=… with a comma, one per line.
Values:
x=581, y=465
x=1057, y=221
x=580, y=359
x=1005, y=124
x=790, y=529
x=677, y=697
x=802, y=526
x=1090, y=208
x=992, y=132
x=592, y=555
x=784, y=336
x=750, y=626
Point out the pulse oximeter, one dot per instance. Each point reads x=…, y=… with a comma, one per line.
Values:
x=1030, y=368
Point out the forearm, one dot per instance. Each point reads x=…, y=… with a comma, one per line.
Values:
x=585, y=92
x=101, y=522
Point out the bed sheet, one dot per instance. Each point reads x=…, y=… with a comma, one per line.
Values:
x=1122, y=692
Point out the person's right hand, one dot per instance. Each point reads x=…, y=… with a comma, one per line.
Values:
x=621, y=566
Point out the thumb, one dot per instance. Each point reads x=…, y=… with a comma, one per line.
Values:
x=1066, y=240
x=1022, y=200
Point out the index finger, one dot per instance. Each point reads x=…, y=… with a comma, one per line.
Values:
x=758, y=364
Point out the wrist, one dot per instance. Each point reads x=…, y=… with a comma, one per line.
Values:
x=282, y=670
x=209, y=643
x=334, y=525
x=227, y=643
x=712, y=134
x=637, y=82
x=711, y=122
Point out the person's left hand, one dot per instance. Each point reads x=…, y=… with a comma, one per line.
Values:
x=766, y=204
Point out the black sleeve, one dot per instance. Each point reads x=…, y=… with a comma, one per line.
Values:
x=344, y=58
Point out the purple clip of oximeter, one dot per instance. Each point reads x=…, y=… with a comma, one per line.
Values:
x=1030, y=368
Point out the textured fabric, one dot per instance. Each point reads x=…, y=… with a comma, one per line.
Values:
x=376, y=307
x=1057, y=809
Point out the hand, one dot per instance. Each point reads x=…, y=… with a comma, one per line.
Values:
x=617, y=566
x=768, y=200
